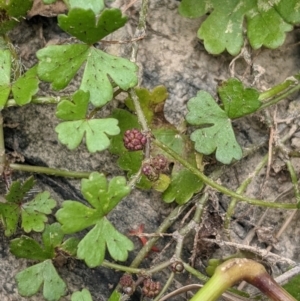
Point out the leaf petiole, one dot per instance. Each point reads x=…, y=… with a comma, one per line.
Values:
x=50, y=171
x=220, y=188
x=275, y=100
x=274, y=91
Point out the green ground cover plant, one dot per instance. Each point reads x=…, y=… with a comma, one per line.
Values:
x=153, y=155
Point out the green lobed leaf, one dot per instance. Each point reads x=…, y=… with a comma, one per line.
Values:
x=52, y=236
x=26, y=247
x=102, y=195
x=117, y=244
x=194, y=8
x=183, y=183
x=183, y=186
x=217, y=133
x=162, y=183
x=223, y=28
x=18, y=8
x=34, y=212
x=173, y=139
x=149, y=100
x=30, y=280
x=75, y=109
x=266, y=28
x=92, y=247
x=59, y=63
x=83, y=295
x=10, y=211
x=95, y=131
x=267, y=22
x=5, y=69
x=75, y=216
x=84, y=25
x=33, y=221
x=7, y=24
x=69, y=246
x=9, y=214
x=11, y=11
x=18, y=190
x=238, y=101
x=95, y=5
x=95, y=79
x=289, y=10
x=26, y=86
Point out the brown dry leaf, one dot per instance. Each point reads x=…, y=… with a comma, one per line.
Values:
x=51, y=10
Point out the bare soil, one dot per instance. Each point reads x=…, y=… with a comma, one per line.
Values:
x=169, y=55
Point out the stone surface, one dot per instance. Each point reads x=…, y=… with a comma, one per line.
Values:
x=170, y=55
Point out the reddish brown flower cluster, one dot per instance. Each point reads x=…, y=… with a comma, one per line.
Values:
x=151, y=289
x=128, y=285
x=160, y=163
x=134, y=140
x=150, y=172
x=153, y=167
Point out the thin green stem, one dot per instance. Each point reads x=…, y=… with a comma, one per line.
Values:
x=143, y=15
x=2, y=146
x=140, y=31
x=179, y=235
x=274, y=91
x=40, y=100
x=147, y=247
x=179, y=241
x=161, y=229
x=152, y=270
x=166, y=286
x=199, y=208
x=219, y=187
x=241, y=189
x=51, y=171
x=16, y=62
x=280, y=97
x=158, y=267
x=119, y=267
x=134, y=179
x=143, y=122
x=294, y=180
x=138, y=110
x=195, y=272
